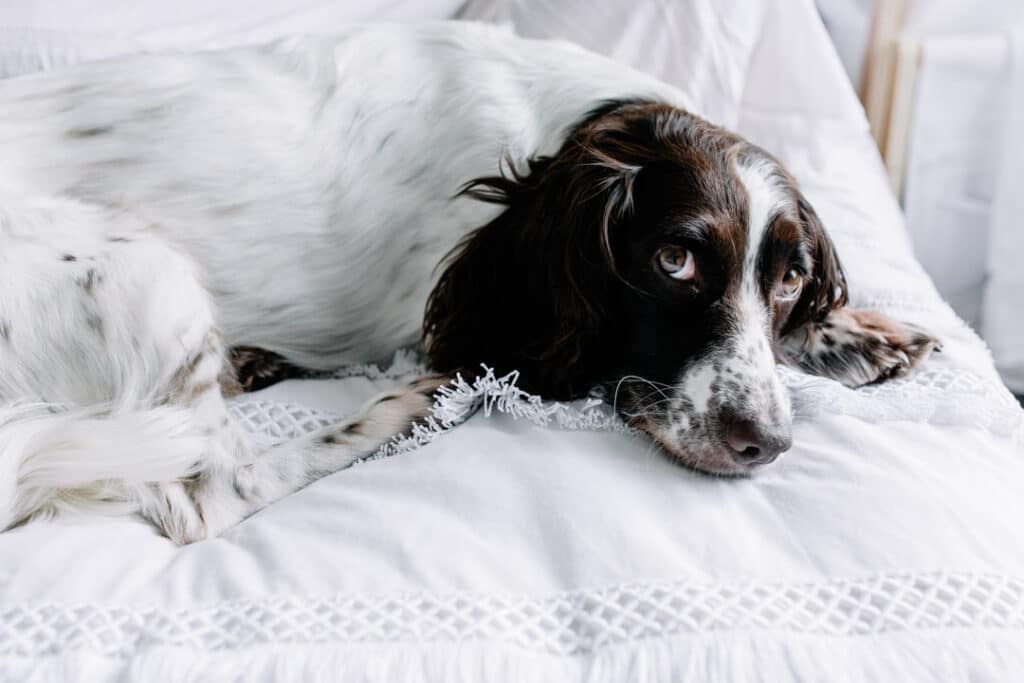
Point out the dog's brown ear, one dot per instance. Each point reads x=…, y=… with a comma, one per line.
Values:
x=528, y=291
x=827, y=289
x=824, y=337
x=532, y=289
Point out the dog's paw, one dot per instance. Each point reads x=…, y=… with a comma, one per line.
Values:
x=257, y=369
x=894, y=347
x=858, y=347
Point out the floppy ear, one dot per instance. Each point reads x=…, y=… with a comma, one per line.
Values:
x=824, y=337
x=529, y=291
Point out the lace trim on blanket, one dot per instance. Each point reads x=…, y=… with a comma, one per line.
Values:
x=936, y=396
x=572, y=623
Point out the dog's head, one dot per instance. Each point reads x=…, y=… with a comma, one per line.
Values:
x=671, y=262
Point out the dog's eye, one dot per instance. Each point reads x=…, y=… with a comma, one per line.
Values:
x=791, y=285
x=678, y=263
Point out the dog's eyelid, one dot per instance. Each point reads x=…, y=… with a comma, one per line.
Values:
x=797, y=256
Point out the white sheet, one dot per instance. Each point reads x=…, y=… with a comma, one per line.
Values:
x=886, y=545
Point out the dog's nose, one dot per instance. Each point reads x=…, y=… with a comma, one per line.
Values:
x=752, y=444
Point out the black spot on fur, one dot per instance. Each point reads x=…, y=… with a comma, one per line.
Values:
x=95, y=323
x=118, y=239
x=828, y=340
x=91, y=279
x=331, y=439
x=238, y=488
x=354, y=428
x=229, y=209
x=114, y=162
x=69, y=257
x=5, y=330
x=384, y=141
x=156, y=111
x=90, y=132
x=415, y=175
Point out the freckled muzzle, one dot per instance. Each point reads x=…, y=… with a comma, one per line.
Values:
x=727, y=414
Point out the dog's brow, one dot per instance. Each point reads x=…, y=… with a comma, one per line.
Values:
x=695, y=230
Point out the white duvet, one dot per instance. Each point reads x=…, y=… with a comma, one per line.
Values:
x=887, y=545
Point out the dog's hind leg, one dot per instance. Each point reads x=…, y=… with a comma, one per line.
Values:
x=114, y=382
x=111, y=389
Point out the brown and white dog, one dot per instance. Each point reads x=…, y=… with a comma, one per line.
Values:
x=303, y=198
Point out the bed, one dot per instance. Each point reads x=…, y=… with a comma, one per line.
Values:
x=544, y=542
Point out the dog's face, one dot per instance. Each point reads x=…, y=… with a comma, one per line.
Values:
x=717, y=256
x=673, y=263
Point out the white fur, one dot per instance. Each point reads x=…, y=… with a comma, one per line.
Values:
x=294, y=197
x=697, y=387
x=753, y=358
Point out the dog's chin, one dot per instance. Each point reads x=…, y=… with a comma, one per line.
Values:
x=711, y=459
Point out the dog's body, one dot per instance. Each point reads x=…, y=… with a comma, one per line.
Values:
x=298, y=198
x=295, y=197
x=311, y=180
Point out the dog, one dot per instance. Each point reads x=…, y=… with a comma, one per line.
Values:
x=523, y=204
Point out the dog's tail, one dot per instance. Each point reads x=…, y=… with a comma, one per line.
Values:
x=52, y=459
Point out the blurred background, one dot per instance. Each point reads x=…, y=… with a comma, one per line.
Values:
x=942, y=83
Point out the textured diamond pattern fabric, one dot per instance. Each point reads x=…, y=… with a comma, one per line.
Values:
x=569, y=624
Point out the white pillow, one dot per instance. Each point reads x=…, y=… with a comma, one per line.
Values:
x=45, y=34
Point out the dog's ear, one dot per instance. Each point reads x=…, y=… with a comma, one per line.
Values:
x=530, y=290
x=824, y=337
x=826, y=290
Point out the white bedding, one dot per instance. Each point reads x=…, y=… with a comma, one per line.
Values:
x=887, y=545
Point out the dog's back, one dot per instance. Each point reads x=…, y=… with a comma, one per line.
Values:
x=312, y=180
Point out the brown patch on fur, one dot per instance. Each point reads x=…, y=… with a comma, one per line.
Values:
x=199, y=389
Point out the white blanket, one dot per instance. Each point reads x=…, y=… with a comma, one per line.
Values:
x=887, y=545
